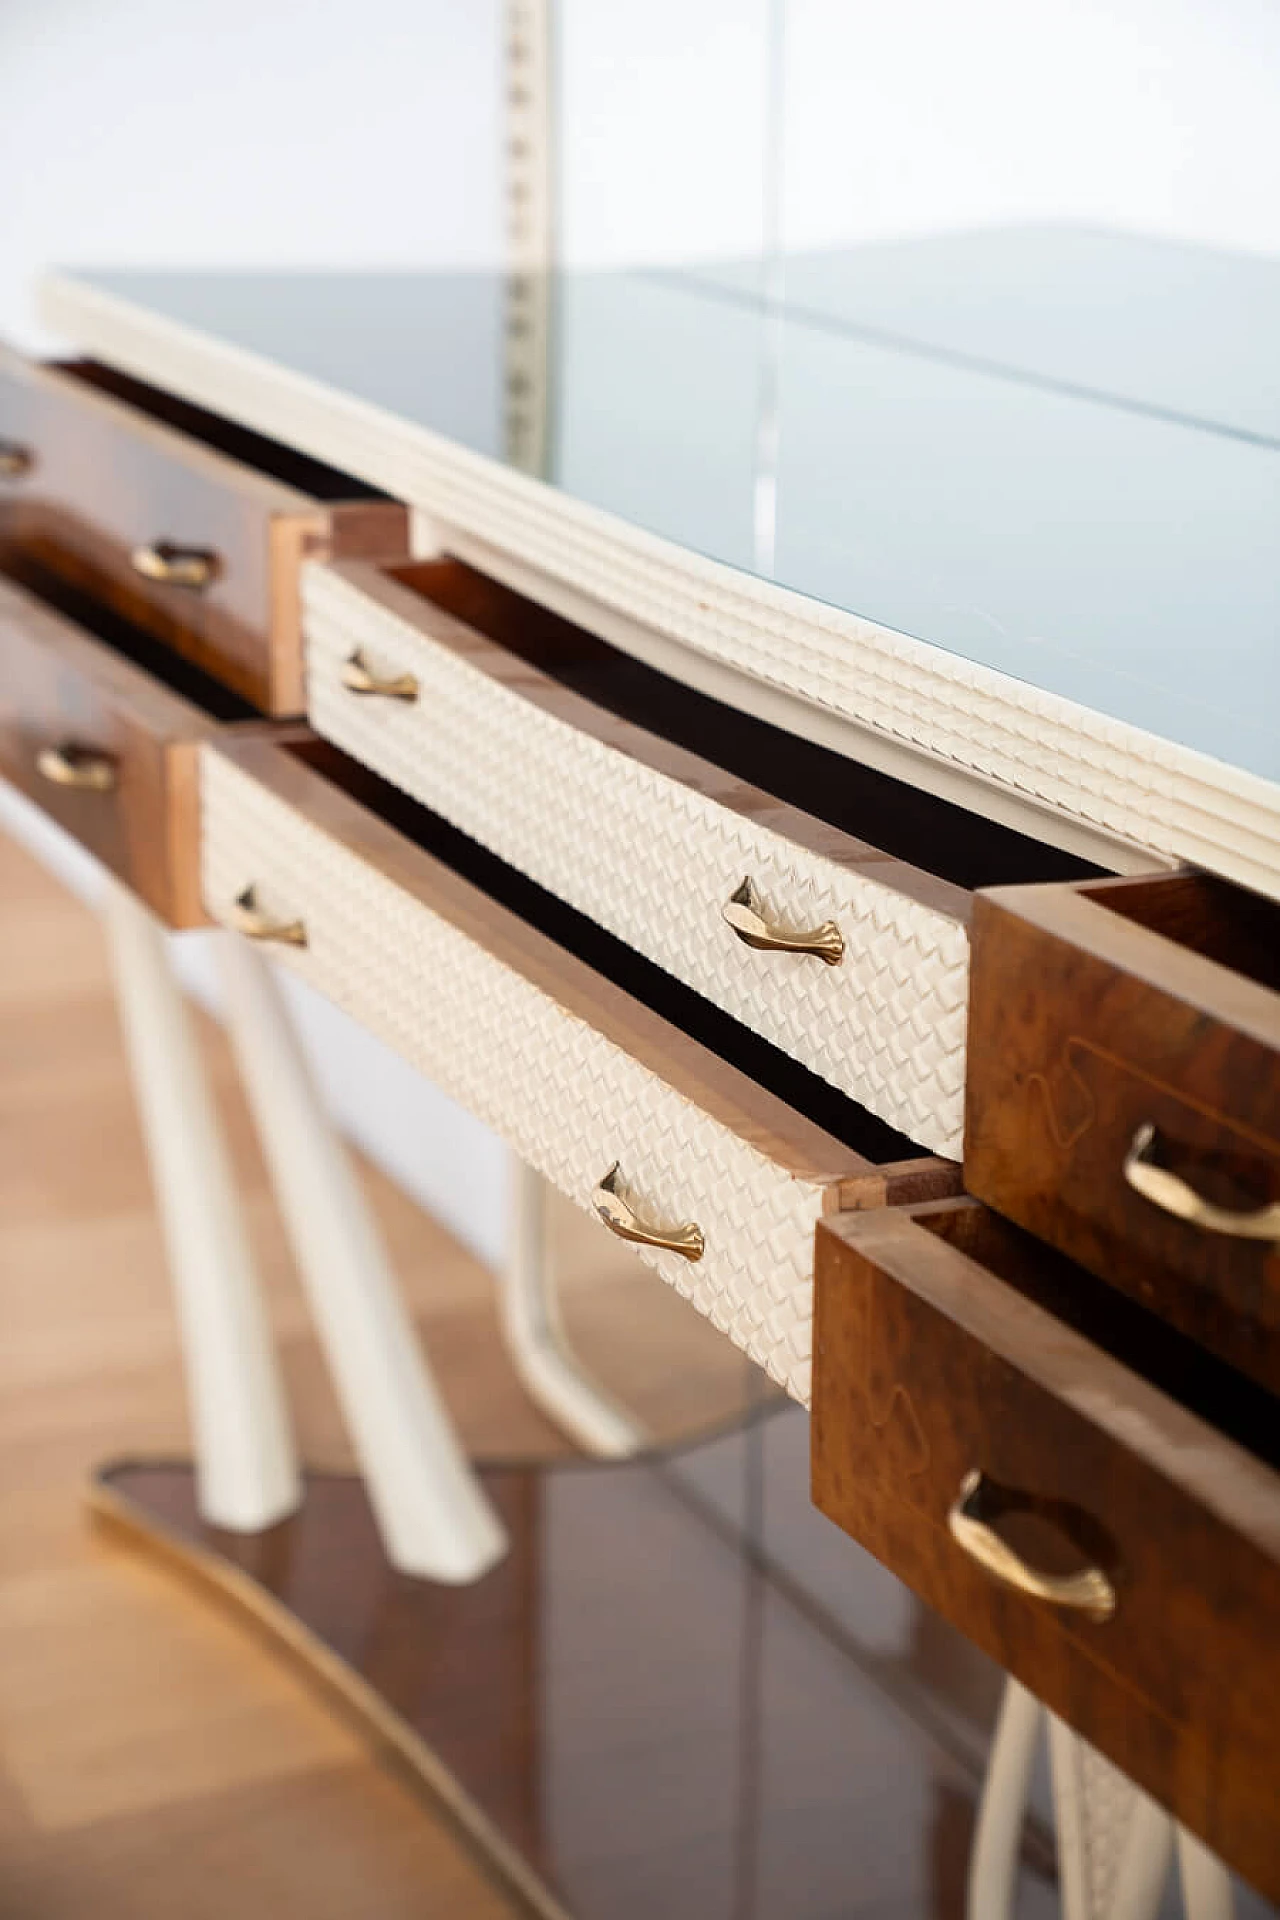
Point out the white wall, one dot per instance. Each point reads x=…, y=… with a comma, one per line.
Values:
x=246, y=132
x=661, y=115
x=925, y=115
x=914, y=117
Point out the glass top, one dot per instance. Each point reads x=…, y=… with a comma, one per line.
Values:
x=1068, y=472
x=1188, y=332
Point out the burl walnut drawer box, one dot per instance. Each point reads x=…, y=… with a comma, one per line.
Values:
x=191, y=527
x=1083, y=1491
x=1123, y=1094
x=100, y=726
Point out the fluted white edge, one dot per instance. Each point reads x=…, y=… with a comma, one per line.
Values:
x=1060, y=762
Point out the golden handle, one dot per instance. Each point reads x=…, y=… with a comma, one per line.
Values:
x=358, y=677
x=1089, y=1591
x=247, y=917
x=620, y=1219
x=174, y=566
x=742, y=911
x=1172, y=1195
x=71, y=766
x=15, y=460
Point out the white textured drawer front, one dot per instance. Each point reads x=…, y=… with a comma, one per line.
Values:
x=654, y=861
x=567, y=1098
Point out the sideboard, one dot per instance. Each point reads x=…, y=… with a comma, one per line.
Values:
x=866, y=904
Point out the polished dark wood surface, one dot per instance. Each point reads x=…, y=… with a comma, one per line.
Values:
x=638, y=1702
x=114, y=477
x=339, y=798
x=1095, y=1011
x=946, y=1341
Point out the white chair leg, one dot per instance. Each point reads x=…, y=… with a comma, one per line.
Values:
x=1206, y=1884
x=997, y=1840
x=540, y=1352
x=1115, y=1845
x=246, y=1470
x=433, y=1514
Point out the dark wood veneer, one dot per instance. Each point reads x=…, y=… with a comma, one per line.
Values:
x=935, y=1355
x=74, y=674
x=1095, y=1010
x=110, y=473
x=631, y=1713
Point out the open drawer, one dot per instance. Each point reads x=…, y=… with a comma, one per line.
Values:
x=1124, y=1093
x=191, y=527
x=99, y=725
x=830, y=920
x=376, y=903
x=1089, y=1497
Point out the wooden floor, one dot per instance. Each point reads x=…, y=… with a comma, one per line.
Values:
x=153, y=1760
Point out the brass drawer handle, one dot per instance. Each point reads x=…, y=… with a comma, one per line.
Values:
x=175, y=566
x=620, y=1219
x=71, y=766
x=742, y=910
x=358, y=677
x=16, y=461
x=1172, y=1195
x=247, y=917
x=1089, y=1591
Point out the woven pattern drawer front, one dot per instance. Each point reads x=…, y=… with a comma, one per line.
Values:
x=567, y=1099
x=654, y=861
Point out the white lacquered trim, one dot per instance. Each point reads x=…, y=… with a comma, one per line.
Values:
x=1055, y=758
x=655, y=861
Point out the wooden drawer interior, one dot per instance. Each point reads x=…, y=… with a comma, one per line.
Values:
x=948, y=1344
x=881, y=818
x=1125, y=1025
x=573, y=946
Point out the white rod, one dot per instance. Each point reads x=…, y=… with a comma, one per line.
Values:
x=1206, y=1884
x=434, y=1516
x=993, y=1864
x=246, y=1468
x=549, y=1370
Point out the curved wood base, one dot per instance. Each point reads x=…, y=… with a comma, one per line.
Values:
x=635, y=1713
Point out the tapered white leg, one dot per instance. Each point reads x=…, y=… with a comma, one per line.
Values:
x=1102, y=1817
x=1206, y=1884
x=997, y=1840
x=246, y=1470
x=540, y=1352
x=433, y=1514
